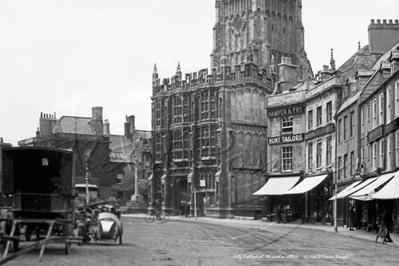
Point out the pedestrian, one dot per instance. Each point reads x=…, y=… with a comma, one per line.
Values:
x=386, y=219
x=182, y=210
x=187, y=212
x=351, y=219
x=278, y=213
x=284, y=214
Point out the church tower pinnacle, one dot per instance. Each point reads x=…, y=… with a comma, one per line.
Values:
x=259, y=30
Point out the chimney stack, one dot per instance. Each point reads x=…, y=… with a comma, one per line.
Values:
x=97, y=120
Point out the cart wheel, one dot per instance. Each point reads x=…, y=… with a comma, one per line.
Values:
x=95, y=237
x=67, y=248
x=28, y=233
x=16, y=244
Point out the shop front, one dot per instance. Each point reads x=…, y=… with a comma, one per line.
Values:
x=292, y=199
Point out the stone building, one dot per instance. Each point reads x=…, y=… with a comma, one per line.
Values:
x=111, y=159
x=370, y=152
x=210, y=128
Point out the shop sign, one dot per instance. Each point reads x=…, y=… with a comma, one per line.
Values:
x=392, y=126
x=294, y=110
x=375, y=134
x=286, y=139
x=320, y=131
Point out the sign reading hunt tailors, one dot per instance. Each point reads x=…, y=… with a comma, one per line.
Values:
x=293, y=110
x=286, y=139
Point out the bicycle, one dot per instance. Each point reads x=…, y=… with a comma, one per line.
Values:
x=163, y=218
x=382, y=233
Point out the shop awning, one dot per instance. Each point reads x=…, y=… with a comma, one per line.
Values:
x=390, y=190
x=345, y=192
x=306, y=184
x=277, y=185
x=369, y=190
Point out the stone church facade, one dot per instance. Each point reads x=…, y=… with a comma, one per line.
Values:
x=210, y=127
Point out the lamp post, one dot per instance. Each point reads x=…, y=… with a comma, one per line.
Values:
x=87, y=185
x=335, y=207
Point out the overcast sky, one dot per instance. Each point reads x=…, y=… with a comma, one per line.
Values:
x=68, y=56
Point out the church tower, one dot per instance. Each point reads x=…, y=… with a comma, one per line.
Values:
x=270, y=29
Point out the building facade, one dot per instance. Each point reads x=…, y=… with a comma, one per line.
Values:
x=109, y=161
x=210, y=128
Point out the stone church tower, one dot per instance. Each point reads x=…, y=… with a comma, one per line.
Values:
x=266, y=29
x=210, y=127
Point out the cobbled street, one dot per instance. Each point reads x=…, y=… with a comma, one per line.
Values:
x=214, y=242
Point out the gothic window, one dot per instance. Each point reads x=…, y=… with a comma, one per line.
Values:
x=205, y=141
x=157, y=113
x=158, y=149
x=213, y=107
x=177, y=110
x=178, y=145
x=213, y=140
x=186, y=109
x=205, y=105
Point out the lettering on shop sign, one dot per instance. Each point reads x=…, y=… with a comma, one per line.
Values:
x=285, y=111
x=286, y=139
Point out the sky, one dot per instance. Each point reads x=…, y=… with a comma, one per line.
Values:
x=65, y=57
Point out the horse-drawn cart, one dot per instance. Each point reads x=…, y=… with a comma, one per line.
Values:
x=37, y=192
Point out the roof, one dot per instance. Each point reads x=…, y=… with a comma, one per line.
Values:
x=74, y=125
x=350, y=101
x=362, y=59
x=122, y=149
x=146, y=134
x=385, y=57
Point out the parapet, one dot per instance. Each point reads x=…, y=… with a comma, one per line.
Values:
x=224, y=74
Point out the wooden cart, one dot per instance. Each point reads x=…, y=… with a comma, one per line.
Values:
x=37, y=186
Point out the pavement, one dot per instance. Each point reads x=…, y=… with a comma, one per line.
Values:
x=259, y=224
